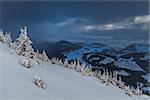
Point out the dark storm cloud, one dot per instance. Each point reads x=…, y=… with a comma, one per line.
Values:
x=55, y=20
x=55, y=11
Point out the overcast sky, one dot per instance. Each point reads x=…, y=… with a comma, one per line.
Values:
x=116, y=23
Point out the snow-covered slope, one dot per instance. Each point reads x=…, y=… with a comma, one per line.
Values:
x=16, y=82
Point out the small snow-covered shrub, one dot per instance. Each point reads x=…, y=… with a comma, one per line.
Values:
x=39, y=82
x=26, y=63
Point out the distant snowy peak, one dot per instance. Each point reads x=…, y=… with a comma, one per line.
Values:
x=128, y=64
x=107, y=60
x=139, y=48
x=104, y=48
x=98, y=58
x=123, y=73
x=90, y=49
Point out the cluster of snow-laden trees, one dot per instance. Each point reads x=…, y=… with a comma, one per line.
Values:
x=103, y=76
x=23, y=47
x=112, y=78
x=6, y=38
x=75, y=65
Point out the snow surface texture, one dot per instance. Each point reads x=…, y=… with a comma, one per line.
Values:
x=16, y=82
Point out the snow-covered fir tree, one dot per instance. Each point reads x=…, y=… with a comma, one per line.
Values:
x=1, y=36
x=88, y=71
x=114, y=78
x=83, y=65
x=128, y=90
x=103, y=76
x=24, y=44
x=138, y=91
x=37, y=56
x=99, y=74
x=72, y=64
x=121, y=83
x=60, y=61
x=110, y=75
x=66, y=63
x=53, y=60
x=8, y=40
x=44, y=56
x=95, y=73
x=56, y=60
x=26, y=62
x=78, y=66
x=107, y=74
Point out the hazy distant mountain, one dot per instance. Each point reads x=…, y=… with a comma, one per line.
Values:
x=58, y=48
x=140, y=48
